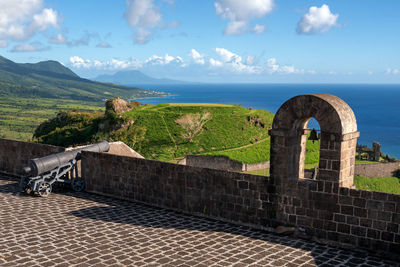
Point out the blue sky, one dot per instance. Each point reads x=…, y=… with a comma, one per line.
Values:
x=304, y=41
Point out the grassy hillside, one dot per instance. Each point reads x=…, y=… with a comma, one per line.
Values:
x=230, y=126
x=230, y=129
x=19, y=117
x=50, y=79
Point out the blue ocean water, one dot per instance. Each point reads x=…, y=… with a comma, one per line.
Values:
x=376, y=106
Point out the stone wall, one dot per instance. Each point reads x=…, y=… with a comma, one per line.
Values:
x=248, y=167
x=221, y=163
x=377, y=170
x=214, y=162
x=331, y=213
x=15, y=155
x=220, y=194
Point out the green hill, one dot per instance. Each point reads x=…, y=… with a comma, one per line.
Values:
x=50, y=79
x=156, y=132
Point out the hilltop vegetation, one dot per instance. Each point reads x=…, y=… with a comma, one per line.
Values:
x=153, y=130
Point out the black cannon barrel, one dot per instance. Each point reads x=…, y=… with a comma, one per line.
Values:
x=41, y=165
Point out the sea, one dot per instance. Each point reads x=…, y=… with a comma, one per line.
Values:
x=376, y=106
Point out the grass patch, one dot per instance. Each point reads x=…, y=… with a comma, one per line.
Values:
x=20, y=116
x=230, y=127
x=361, y=162
x=254, y=153
x=380, y=184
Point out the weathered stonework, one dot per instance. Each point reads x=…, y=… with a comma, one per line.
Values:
x=15, y=155
x=338, y=139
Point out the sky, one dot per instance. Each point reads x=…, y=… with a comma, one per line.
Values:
x=252, y=41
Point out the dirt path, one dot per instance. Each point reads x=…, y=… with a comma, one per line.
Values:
x=237, y=148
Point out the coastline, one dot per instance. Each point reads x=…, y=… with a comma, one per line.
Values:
x=152, y=97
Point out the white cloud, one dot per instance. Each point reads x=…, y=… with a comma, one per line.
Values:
x=234, y=62
x=113, y=64
x=142, y=36
x=103, y=45
x=273, y=67
x=144, y=15
x=197, y=57
x=165, y=60
x=317, y=20
x=215, y=63
x=58, y=39
x=46, y=19
x=250, y=60
x=258, y=29
x=370, y=72
x=390, y=71
x=32, y=47
x=236, y=27
x=21, y=19
x=240, y=13
x=3, y=43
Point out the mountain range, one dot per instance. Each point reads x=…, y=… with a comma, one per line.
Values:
x=51, y=79
x=133, y=77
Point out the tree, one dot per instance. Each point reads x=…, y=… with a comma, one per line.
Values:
x=193, y=124
x=131, y=135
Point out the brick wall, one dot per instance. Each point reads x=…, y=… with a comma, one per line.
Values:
x=337, y=215
x=342, y=215
x=15, y=155
x=222, y=163
x=377, y=170
x=226, y=195
x=213, y=162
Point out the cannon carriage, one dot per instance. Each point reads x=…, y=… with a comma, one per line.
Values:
x=43, y=173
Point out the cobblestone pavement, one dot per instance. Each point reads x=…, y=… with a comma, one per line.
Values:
x=81, y=229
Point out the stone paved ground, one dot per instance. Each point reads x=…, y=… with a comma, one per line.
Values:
x=81, y=229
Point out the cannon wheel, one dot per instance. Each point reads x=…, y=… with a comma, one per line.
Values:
x=44, y=189
x=78, y=184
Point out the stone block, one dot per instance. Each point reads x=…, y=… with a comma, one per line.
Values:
x=359, y=202
x=348, y=210
x=358, y=231
x=359, y=212
x=343, y=228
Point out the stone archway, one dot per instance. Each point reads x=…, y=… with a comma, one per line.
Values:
x=338, y=140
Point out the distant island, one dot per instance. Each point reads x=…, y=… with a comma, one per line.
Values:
x=134, y=78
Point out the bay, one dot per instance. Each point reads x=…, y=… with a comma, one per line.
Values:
x=375, y=106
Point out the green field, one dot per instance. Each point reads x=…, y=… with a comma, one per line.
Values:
x=380, y=184
x=19, y=117
x=229, y=128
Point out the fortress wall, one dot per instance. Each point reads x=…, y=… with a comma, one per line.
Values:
x=220, y=194
x=336, y=215
x=15, y=155
x=248, y=167
x=344, y=216
x=377, y=170
x=222, y=163
x=214, y=162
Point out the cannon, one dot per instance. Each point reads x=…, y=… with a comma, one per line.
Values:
x=42, y=173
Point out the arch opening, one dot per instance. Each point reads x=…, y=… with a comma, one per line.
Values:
x=338, y=136
x=311, y=162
